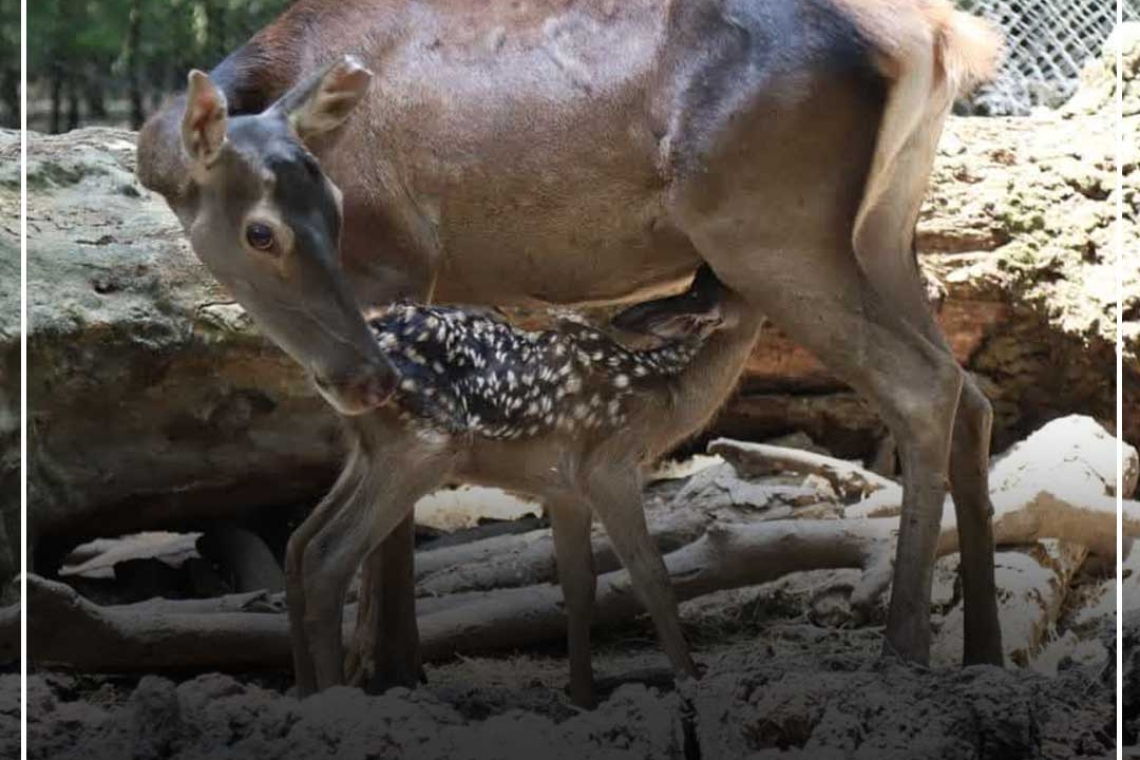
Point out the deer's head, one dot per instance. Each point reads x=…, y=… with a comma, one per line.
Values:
x=266, y=221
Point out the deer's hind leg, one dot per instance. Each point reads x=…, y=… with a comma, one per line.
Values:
x=397, y=474
x=969, y=468
x=614, y=492
x=970, y=489
x=571, y=521
x=825, y=302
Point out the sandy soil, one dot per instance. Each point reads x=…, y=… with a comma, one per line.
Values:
x=795, y=690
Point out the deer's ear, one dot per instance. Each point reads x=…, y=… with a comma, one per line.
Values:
x=204, y=123
x=325, y=101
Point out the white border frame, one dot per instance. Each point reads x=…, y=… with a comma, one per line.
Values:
x=23, y=226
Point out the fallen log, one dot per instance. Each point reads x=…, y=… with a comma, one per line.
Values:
x=68, y=631
x=1029, y=513
x=1042, y=491
x=726, y=557
x=528, y=558
x=1066, y=500
x=1034, y=585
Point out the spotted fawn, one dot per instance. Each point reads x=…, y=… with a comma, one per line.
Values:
x=568, y=416
x=470, y=373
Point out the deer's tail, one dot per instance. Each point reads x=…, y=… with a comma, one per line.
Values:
x=929, y=54
x=968, y=49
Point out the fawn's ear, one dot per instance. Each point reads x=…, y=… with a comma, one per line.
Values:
x=696, y=312
x=684, y=326
x=204, y=122
x=325, y=101
x=673, y=318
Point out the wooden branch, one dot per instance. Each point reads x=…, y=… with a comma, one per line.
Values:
x=1021, y=516
x=528, y=559
x=726, y=557
x=68, y=631
x=71, y=632
x=1028, y=513
x=847, y=478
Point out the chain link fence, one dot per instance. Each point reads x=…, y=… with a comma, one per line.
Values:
x=1047, y=43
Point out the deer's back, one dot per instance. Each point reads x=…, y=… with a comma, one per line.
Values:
x=537, y=148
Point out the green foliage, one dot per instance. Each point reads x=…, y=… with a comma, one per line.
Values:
x=92, y=57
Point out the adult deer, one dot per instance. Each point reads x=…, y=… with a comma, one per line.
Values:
x=590, y=151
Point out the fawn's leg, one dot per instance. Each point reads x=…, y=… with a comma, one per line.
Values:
x=398, y=475
x=615, y=496
x=571, y=523
x=348, y=481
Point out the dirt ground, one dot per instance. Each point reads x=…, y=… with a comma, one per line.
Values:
x=776, y=684
x=789, y=672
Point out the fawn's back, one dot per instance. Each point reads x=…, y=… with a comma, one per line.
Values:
x=473, y=375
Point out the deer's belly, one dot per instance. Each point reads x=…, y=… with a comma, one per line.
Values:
x=604, y=266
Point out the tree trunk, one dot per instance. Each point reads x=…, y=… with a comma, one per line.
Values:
x=134, y=34
x=10, y=97
x=56, y=99
x=73, y=114
x=95, y=94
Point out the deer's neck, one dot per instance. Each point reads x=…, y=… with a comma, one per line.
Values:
x=698, y=390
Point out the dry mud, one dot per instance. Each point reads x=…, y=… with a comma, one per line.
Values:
x=797, y=692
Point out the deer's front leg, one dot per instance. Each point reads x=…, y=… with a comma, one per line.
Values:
x=328, y=561
x=571, y=525
x=398, y=474
x=386, y=643
x=303, y=669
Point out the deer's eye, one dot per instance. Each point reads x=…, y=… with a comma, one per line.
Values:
x=259, y=236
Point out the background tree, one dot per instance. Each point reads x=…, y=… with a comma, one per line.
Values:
x=113, y=61
x=10, y=63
